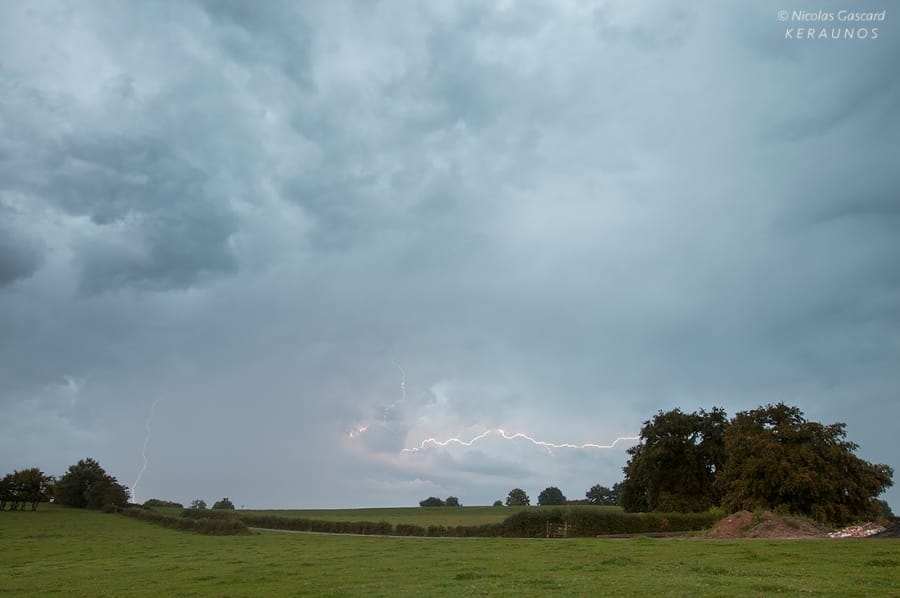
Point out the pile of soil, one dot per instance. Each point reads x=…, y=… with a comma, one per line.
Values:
x=891, y=532
x=745, y=524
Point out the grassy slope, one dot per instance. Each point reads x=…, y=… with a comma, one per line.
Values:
x=88, y=553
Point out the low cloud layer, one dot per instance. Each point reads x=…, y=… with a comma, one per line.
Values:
x=317, y=234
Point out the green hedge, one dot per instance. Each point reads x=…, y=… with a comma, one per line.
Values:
x=211, y=527
x=530, y=523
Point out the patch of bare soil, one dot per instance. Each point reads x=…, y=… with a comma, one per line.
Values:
x=745, y=524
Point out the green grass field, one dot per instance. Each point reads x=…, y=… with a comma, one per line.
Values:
x=83, y=553
x=446, y=516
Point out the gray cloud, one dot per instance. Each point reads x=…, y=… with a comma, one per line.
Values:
x=557, y=219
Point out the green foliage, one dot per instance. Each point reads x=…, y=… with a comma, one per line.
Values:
x=87, y=485
x=675, y=465
x=777, y=460
x=551, y=496
x=768, y=458
x=431, y=501
x=223, y=504
x=498, y=503
x=24, y=487
x=603, y=496
x=517, y=498
x=205, y=525
x=198, y=503
x=452, y=501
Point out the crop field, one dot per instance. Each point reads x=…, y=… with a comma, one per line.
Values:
x=85, y=553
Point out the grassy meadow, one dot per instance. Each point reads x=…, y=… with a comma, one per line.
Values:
x=84, y=553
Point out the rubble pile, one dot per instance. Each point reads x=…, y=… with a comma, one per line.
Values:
x=858, y=531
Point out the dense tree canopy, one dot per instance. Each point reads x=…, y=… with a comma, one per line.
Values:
x=87, y=485
x=767, y=458
x=551, y=496
x=431, y=501
x=675, y=465
x=777, y=460
x=517, y=498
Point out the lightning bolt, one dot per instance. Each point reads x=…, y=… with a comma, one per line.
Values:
x=549, y=446
x=402, y=393
x=144, y=452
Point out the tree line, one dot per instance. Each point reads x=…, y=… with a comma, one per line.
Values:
x=550, y=496
x=85, y=485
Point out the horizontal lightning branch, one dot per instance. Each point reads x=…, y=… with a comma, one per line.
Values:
x=433, y=442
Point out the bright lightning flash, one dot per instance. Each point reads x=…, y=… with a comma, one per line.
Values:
x=144, y=452
x=549, y=446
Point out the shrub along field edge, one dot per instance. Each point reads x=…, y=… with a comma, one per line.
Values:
x=578, y=521
x=217, y=526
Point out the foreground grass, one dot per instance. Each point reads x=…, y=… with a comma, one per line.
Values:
x=76, y=553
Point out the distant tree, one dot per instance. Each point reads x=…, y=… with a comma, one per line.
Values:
x=198, y=503
x=551, y=496
x=517, y=498
x=156, y=502
x=223, y=504
x=452, y=501
x=431, y=501
x=778, y=460
x=87, y=485
x=498, y=503
x=675, y=465
x=601, y=495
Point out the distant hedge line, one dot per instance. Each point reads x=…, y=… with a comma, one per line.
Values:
x=525, y=524
x=209, y=526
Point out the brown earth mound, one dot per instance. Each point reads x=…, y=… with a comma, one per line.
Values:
x=745, y=524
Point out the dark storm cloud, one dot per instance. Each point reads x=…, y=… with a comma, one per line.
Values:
x=555, y=219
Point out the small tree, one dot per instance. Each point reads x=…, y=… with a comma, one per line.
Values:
x=198, y=503
x=551, y=496
x=452, y=501
x=431, y=501
x=223, y=504
x=517, y=498
x=601, y=495
x=498, y=503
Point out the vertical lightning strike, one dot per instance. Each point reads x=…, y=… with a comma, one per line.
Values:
x=548, y=446
x=144, y=452
x=402, y=393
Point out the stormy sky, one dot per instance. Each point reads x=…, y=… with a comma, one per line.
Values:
x=291, y=239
